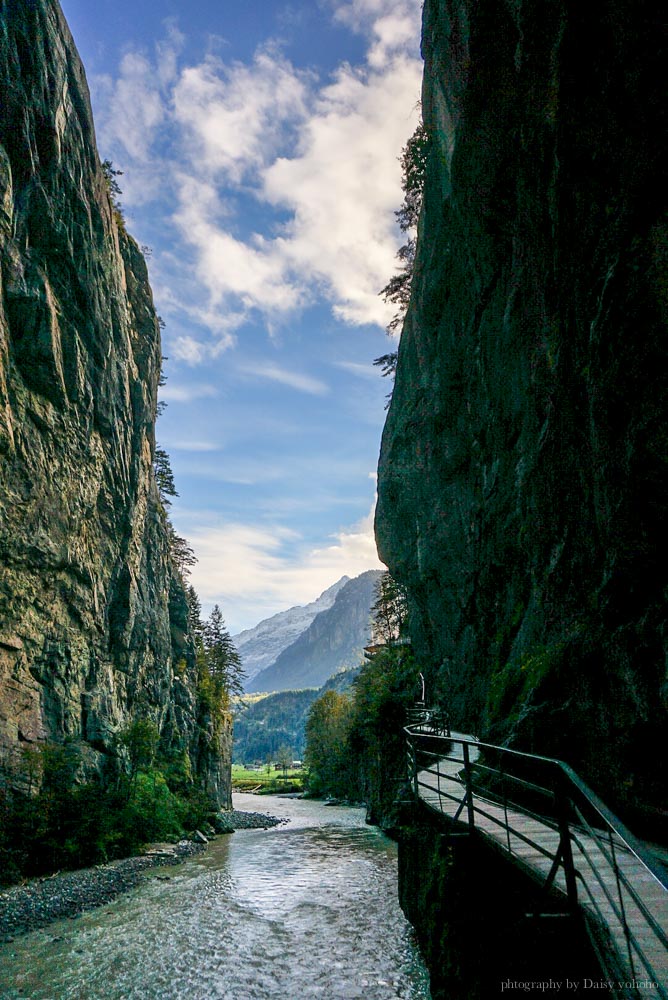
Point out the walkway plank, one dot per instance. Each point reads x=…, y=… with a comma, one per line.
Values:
x=652, y=894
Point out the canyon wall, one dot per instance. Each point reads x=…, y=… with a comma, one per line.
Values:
x=93, y=616
x=522, y=477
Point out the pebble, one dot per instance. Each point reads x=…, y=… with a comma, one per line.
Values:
x=233, y=819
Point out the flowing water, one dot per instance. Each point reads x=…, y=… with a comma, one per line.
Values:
x=308, y=909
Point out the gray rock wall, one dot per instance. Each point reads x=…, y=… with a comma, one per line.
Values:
x=92, y=613
x=522, y=478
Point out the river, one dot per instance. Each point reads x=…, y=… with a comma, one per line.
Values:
x=307, y=909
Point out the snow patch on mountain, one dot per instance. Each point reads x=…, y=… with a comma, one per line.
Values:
x=261, y=645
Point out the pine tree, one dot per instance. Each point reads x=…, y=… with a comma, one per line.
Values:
x=164, y=476
x=195, y=623
x=389, y=610
x=182, y=554
x=413, y=161
x=222, y=659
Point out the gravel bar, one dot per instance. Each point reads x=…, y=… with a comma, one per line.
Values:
x=233, y=819
x=39, y=902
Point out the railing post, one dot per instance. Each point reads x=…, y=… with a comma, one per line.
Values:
x=469, y=786
x=622, y=908
x=414, y=770
x=566, y=849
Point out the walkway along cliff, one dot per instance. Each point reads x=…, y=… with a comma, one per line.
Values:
x=522, y=477
x=93, y=615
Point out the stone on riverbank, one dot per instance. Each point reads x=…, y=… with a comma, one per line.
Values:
x=232, y=819
x=38, y=903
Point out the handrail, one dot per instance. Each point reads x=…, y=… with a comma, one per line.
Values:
x=570, y=795
x=632, y=842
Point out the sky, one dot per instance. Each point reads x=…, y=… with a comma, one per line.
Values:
x=258, y=142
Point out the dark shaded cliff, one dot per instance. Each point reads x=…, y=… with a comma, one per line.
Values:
x=93, y=617
x=522, y=479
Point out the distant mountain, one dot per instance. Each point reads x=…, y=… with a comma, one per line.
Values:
x=259, y=647
x=333, y=641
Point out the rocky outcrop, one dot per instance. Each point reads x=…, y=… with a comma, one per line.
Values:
x=522, y=480
x=93, y=619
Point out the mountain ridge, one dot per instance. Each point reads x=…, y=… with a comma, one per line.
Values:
x=260, y=646
x=333, y=641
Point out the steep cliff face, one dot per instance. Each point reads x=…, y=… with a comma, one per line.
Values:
x=93, y=620
x=523, y=466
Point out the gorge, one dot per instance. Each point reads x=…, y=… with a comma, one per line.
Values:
x=521, y=489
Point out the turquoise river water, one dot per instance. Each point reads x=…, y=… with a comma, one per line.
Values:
x=307, y=909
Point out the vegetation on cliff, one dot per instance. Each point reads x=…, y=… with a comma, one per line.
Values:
x=354, y=740
x=413, y=160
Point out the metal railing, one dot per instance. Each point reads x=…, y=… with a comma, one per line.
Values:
x=591, y=850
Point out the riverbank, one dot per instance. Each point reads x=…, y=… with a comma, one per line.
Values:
x=39, y=902
x=306, y=910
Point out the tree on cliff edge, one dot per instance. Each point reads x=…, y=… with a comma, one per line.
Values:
x=222, y=659
x=413, y=161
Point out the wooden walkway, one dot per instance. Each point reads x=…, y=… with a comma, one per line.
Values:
x=536, y=841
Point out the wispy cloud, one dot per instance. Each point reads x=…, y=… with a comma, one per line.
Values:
x=367, y=372
x=295, y=380
x=186, y=393
x=236, y=116
x=194, y=446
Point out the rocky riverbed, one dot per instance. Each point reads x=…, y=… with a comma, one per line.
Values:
x=39, y=902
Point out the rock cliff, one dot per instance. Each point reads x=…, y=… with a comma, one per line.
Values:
x=93, y=617
x=522, y=479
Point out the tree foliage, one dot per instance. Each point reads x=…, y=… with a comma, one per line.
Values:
x=139, y=742
x=110, y=175
x=326, y=755
x=221, y=659
x=62, y=821
x=354, y=745
x=182, y=554
x=389, y=610
x=413, y=161
x=164, y=476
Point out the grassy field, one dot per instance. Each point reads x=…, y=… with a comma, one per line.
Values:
x=266, y=782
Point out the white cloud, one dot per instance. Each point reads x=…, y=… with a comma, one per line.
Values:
x=253, y=572
x=343, y=186
x=254, y=272
x=319, y=159
x=236, y=115
x=296, y=380
x=199, y=446
x=134, y=107
x=186, y=393
x=188, y=349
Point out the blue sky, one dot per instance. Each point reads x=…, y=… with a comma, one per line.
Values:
x=258, y=141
